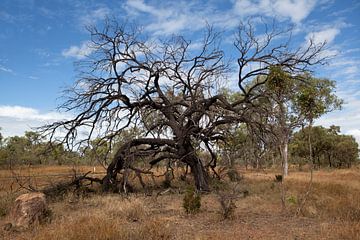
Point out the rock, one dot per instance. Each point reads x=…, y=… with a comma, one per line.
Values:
x=29, y=208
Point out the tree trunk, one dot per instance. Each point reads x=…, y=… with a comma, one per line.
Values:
x=310, y=146
x=285, y=159
x=109, y=181
x=199, y=173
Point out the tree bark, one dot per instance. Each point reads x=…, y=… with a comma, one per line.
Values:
x=199, y=174
x=285, y=159
x=109, y=181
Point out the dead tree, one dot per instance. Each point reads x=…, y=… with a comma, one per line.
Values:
x=167, y=89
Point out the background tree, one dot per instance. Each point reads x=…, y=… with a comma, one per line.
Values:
x=329, y=147
x=98, y=151
x=1, y=139
x=32, y=149
x=3, y=154
x=290, y=102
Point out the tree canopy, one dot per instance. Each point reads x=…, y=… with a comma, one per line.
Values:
x=330, y=148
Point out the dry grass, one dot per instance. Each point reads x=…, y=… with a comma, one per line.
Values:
x=332, y=211
x=100, y=217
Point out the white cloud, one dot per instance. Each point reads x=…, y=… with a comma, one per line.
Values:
x=174, y=17
x=15, y=120
x=170, y=26
x=355, y=133
x=348, y=118
x=351, y=70
x=23, y=113
x=141, y=6
x=92, y=17
x=170, y=18
x=79, y=52
x=5, y=69
x=296, y=10
x=348, y=123
x=345, y=67
x=327, y=35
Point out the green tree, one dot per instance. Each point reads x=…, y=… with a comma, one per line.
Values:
x=96, y=152
x=33, y=149
x=346, y=151
x=294, y=101
x=3, y=155
x=329, y=148
x=234, y=145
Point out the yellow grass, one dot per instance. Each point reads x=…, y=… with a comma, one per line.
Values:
x=331, y=211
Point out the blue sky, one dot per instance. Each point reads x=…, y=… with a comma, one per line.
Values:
x=41, y=39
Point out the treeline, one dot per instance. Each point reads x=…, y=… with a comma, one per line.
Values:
x=329, y=148
x=34, y=149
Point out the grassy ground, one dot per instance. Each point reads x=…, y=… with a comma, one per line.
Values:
x=331, y=210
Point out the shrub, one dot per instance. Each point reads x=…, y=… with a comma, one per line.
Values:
x=192, y=201
x=234, y=176
x=227, y=205
x=278, y=178
x=292, y=200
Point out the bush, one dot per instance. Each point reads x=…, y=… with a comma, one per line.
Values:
x=234, y=176
x=227, y=205
x=292, y=200
x=192, y=201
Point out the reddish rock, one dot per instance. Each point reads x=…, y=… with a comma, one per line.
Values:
x=29, y=208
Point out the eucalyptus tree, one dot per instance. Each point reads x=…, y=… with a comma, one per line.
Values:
x=169, y=89
x=293, y=102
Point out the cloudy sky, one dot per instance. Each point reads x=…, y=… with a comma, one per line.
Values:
x=40, y=40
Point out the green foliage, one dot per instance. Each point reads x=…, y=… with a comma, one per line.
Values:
x=231, y=95
x=192, y=200
x=300, y=98
x=279, y=81
x=316, y=97
x=286, y=102
x=32, y=149
x=292, y=200
x=238, y=147
x=97, y=151
x=329, y=147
